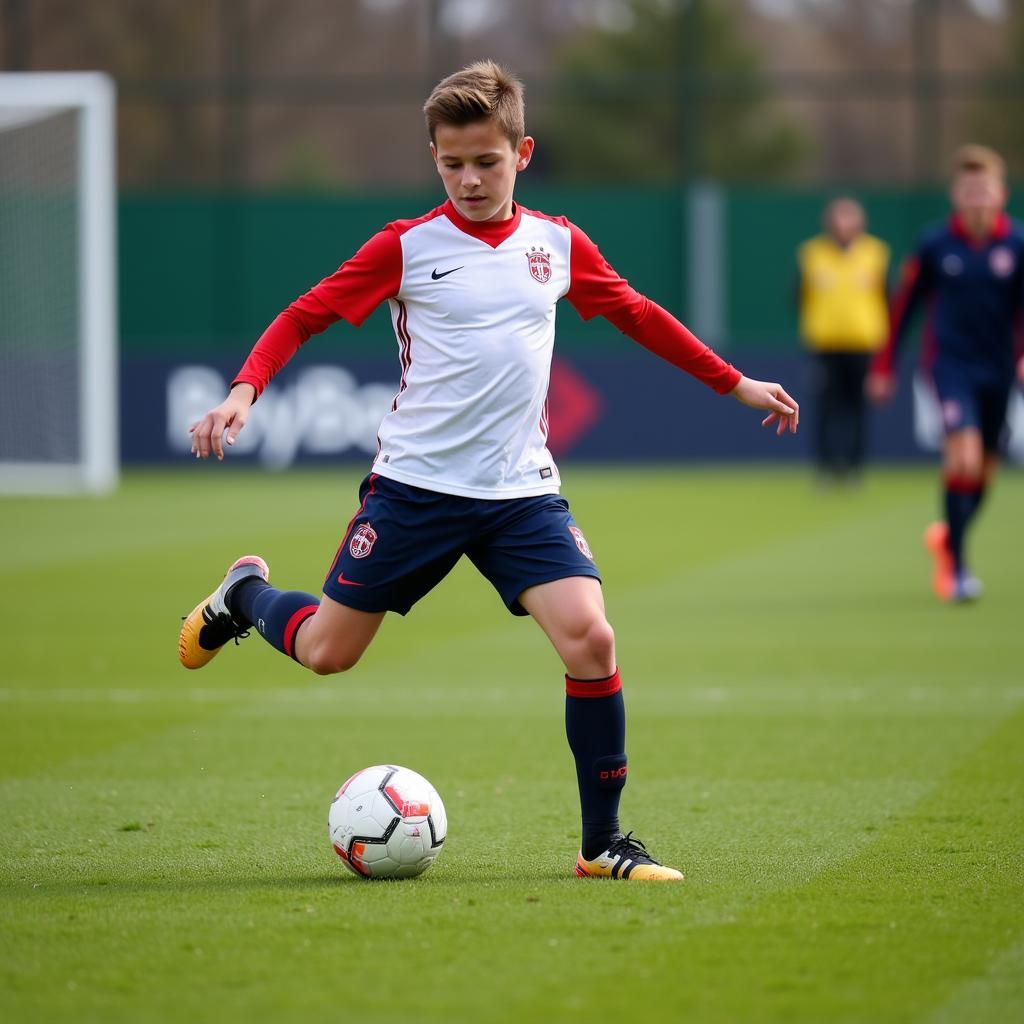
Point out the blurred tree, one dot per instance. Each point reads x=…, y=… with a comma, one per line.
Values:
x=635, y=101
x=998, y=119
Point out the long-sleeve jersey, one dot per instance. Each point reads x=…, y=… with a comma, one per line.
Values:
x=975, y=297
x=473, y=310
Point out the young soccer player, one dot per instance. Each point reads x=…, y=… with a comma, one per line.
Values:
x=462, y=466
x=971, y=273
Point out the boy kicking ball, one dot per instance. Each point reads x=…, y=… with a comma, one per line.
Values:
x=462, y=466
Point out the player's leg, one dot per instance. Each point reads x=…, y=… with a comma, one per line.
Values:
x=962, y=474
x=993, y=401
x=335, y=637
x=857, y=371
x=963, y=463
x=962, y=484
x=571, y=613
x=320, y=634
x=971, y=462
x=323, y=635
x=400, y=543
x=537, y=558
x=844, y=412
x=397, y=546
x=825, y=374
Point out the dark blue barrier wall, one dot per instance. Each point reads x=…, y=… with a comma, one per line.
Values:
x=624, y=405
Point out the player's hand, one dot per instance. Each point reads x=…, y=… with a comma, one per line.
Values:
x=230, y=415
x=880, y=387
x=761, y=394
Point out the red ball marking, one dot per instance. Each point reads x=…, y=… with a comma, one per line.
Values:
x=407, y=808
x=348, y=782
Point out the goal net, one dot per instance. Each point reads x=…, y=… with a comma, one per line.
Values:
x=58, y=384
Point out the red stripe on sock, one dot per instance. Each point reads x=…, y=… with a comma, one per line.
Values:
x=297, y=619
x=963, y=484
x=593, y=687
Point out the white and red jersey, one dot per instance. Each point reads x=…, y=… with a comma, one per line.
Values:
x=473, y=308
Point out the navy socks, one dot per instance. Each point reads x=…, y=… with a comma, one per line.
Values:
x=276, y=614
x=595, y=724
x=962, y=499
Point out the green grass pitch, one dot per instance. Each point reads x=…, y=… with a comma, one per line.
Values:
x=834, y=759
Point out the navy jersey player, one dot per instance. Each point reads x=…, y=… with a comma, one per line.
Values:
x=970, y=274
x=463, y=466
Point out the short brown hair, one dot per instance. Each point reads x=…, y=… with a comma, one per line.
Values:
x=979, y=158
x=483, y=91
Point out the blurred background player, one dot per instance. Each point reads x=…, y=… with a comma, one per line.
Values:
x=969, y=270
x=844, y=318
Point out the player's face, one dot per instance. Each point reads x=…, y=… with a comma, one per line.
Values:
x=478, y=167
x=978, y=193
x=845, y=221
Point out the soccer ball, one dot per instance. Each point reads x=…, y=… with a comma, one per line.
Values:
x=387, y=822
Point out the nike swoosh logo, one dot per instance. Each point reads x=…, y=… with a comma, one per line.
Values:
x=347, y=583
x=437, y=277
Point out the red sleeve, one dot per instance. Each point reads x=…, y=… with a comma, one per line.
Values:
x=914, y=284
x=351, y=293
x=595, y=289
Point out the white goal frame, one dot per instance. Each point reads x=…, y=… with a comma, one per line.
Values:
x=92, y=95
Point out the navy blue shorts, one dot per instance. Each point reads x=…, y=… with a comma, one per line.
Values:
x=971, y=399
x=404, y=540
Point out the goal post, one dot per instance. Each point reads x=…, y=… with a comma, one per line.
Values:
x=58, y=292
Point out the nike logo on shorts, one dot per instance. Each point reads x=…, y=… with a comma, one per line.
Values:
x=437, y=277
x=347, y=583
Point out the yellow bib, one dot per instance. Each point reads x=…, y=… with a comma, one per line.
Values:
x=842, y=294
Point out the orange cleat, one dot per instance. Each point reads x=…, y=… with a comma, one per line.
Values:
x=936, y=540
x=627, y=859
x=209, y=626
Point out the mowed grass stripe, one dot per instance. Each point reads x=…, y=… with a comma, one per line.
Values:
x=990, y=998
x=933, y=904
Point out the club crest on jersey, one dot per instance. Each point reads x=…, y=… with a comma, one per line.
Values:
x=1001, y=261
x=581, y=542
x=540, y=265
x=362, y=541
x=952, y=265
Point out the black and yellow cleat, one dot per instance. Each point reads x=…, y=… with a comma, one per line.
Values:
x=627, y=859
x=209, y=626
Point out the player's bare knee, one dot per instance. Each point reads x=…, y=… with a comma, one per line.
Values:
x=966, y=467
x=599, y=643
x=325, y=661
x=974, y=467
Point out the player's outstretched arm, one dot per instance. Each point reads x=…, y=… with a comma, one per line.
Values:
x=762, y=394
x=230, y=415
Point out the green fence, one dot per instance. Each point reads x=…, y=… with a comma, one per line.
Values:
x=202, y=272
